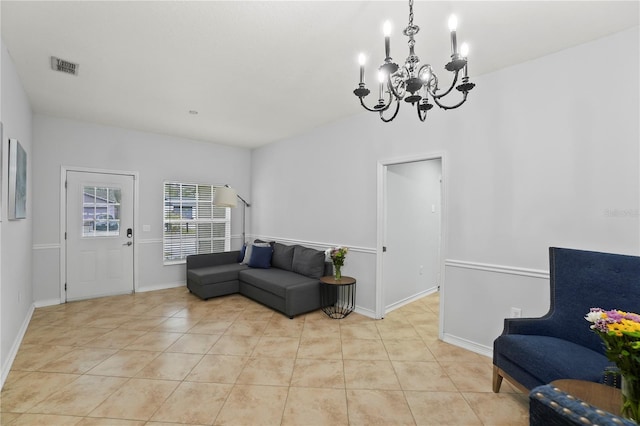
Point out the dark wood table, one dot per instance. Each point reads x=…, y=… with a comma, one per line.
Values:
x=338, y=297
x=601, y=396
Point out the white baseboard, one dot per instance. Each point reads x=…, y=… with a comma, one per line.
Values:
x=51, y=302
x=411, y=299
x=468, y=345
x=48, y=302
x=163, y=286
x=16, y=345
x=366, y=312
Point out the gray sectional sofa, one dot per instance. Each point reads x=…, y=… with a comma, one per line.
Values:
x=285, y=278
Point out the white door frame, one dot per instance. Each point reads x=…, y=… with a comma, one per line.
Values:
x=381, y=233
x=63, y=219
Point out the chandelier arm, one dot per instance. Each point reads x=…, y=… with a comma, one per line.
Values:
x=453, y=84
x=373, y=109
x=445, y=107
x=386, y=120
x=393, y=91
x=429, y=69
x=392, y=88
x=366, y=107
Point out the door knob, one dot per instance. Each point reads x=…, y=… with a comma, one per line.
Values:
x=128, y=243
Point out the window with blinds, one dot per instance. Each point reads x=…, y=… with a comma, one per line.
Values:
x=192, y=224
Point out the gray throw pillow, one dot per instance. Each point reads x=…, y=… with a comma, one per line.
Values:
x=308, y=262
x=282, y=256
x=259, y=241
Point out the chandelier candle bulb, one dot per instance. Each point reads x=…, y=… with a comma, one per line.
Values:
x=361, y=61
x=381, y=80
x=386, y=29
x=453, y=25
x=464, y=52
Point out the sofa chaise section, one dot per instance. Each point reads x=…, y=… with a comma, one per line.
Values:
x=213, y=275
x=284, y=291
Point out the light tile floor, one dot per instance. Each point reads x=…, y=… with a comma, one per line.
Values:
x=167, y=357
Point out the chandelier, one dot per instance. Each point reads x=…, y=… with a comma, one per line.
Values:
x=412, y=82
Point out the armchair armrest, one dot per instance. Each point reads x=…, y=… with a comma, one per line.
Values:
x=539, y=326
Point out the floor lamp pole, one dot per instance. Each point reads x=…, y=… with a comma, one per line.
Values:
x=244, y=220
x=244, y=239
x=225, y=196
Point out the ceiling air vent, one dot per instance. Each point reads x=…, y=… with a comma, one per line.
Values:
x=61, y=65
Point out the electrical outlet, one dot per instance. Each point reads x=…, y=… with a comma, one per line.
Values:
x=516, y=313
x=421, y=270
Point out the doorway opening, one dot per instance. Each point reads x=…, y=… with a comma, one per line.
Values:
x=411, y=231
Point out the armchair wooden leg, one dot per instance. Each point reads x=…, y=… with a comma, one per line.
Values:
x=497, y=379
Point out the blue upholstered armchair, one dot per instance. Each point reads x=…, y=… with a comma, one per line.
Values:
x=536, y=351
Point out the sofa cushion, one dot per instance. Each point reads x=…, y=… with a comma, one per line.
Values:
x=215, y=274
x=243, y=250
x=247, y=252
x=282, y=256
x=273, y=280
x=261, y=257
x=308, y=262
x=549, y=358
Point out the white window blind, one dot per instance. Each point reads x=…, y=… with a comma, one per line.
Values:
x=192, y=224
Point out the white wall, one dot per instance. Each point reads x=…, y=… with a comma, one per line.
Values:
x=157, y=158
x=16, y=297
x=548, y=161
x=544, y=154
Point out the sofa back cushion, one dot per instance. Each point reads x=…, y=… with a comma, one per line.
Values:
x=282, y=256
x=308, y=262
x=259, y=241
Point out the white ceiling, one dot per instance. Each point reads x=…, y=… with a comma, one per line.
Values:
x=262, y=71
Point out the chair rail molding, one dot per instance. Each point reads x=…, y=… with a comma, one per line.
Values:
x=358, y=249
x=501, y=269
x=54, y=246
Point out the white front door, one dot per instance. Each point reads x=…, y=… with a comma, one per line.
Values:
x=99, y=229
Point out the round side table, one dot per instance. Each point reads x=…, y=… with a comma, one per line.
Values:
x=338, y=297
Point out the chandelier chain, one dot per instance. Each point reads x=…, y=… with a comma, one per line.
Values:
x=411, y=13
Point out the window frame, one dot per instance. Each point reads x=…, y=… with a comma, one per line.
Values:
x=195, y=220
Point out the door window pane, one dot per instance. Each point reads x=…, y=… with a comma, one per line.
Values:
x=100, y=211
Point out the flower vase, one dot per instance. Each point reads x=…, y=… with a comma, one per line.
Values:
x=630, y=388
x=337, y=274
